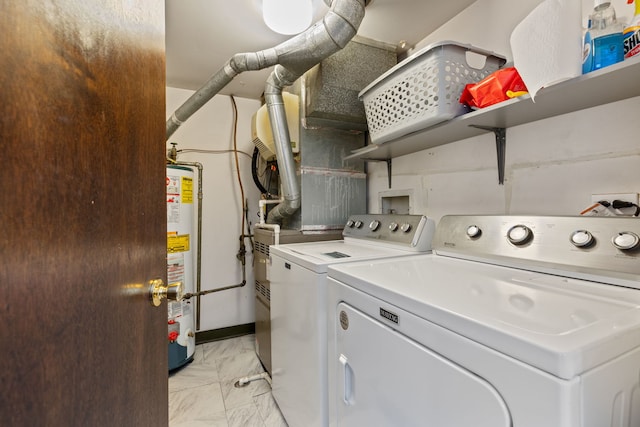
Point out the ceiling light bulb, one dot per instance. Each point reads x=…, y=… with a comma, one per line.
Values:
x=287, y=16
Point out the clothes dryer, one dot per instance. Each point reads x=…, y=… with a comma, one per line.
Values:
x=511, y=321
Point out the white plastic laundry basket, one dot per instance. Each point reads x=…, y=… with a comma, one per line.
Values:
x=424, y=89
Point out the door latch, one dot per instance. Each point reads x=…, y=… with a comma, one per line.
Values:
x=158, y=291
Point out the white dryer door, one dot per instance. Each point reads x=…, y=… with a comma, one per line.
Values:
x=386, y=379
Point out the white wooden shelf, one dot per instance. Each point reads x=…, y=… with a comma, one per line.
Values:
x=614, y=83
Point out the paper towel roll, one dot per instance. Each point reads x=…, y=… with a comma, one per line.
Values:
x=547, y=44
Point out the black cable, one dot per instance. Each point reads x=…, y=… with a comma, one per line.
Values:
x=273, y=169
x=254, y=171
x=621, y=204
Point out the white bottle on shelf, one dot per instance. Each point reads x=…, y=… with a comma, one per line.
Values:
x=631, y=34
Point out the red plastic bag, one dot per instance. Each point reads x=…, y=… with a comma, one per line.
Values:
x=499, y=86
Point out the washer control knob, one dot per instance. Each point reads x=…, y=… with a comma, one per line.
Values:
x=374, y=225
x=519, y=235
x=393, y=226
x=358, y=224
x=350, y=223
x=582, y=239
x=474, y=231
x=406, y=227
x=626, y=241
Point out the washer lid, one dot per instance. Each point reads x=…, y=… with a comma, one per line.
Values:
x=317, y=256
x=561, y=325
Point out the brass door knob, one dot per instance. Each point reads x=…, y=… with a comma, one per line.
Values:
x=158, y=291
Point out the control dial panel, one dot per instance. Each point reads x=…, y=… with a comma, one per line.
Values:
x=599, y=249
x=411, y=232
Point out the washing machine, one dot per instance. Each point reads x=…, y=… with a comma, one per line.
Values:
x=512, y=321
x=298, y=277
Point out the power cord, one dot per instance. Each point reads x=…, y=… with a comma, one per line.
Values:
x=621, y=204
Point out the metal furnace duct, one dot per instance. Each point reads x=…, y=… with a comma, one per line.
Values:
x=292, y=59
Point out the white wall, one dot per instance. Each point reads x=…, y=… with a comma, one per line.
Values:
x=211, y=128
x=552, y=166
x=488, y=23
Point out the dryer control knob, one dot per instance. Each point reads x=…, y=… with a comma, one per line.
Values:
x=474, y=231
x=393, y=226
x=519, y=235
x=374, y=225
x=582, y=239
x=626, y=241
x=350, y=223
x=406, y=227
x=358, y=224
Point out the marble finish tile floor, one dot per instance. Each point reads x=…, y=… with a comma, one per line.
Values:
x=202, y=393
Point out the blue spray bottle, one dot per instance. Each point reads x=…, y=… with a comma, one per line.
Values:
x=603, y=44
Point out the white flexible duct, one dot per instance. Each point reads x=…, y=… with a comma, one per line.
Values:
x=293, y=58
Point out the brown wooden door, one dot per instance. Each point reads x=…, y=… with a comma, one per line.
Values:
x=82, y=212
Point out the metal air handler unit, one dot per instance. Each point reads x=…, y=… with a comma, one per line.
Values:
x=331, y=125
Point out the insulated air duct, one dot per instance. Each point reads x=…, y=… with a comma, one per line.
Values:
x=292, y=59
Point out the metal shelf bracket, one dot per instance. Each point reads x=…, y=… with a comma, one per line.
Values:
x=388, y=167
x=501, y=146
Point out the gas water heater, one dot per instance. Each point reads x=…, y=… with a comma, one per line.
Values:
x=181, y=332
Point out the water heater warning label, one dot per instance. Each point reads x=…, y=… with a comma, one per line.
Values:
x=187, y=189
x=173, y=185
x=175, y=267
x=173, y=199
x=177, y=243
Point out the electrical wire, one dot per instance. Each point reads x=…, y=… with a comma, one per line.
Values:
x=235, y=150
x=272, y=169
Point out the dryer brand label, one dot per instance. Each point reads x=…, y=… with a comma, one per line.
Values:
x=389, y=315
